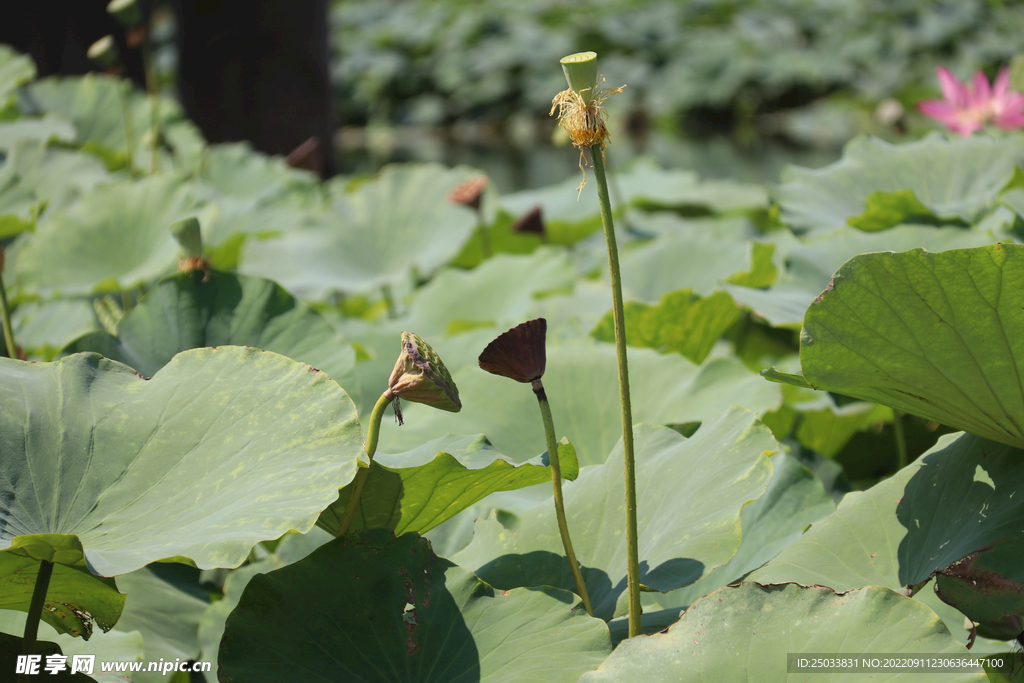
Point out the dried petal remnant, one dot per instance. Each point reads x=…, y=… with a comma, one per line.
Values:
x=583, y=120
x=469, y=191
x=519, y=353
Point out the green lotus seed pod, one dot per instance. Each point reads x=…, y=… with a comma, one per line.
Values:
x=103, y=53
x=126, y=12
x=581, y=73
x=186, y=233
x=421, y=377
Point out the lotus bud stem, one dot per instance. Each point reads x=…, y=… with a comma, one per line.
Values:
x=520, y=355
x=419, y=376
x=35, y=611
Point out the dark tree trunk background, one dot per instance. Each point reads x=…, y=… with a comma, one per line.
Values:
x=255, y=70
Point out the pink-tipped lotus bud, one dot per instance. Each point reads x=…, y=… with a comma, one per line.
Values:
x=469, y=191
x=421, y=377
x=531, y=222
x=518, y=353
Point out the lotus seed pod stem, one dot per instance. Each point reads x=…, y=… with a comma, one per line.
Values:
x=35, y=610
x=5, y=314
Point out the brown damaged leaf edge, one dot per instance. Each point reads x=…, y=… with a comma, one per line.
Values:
x=829, y=288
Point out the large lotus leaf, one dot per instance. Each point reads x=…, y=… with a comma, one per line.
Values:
x=42, y=328
x=828, y=430
x=378, y=235
x=960, y=496
x=75, y=598
x=417, y=490
x=15, y=69
x=683, y=322
x=581, y=382
x=794, y=500
x=193, y=310
x=43, y=129
x=700, y=262
x=94, y=103
x=164, y=605
x=810, y=265
x=222, y=448
x=689, y=493
x=388, y=610
x=34, y=176
x=236, y=170
x=291, y=549
x=117, y=237
x=500, y=291
x=743, y=634
x=935, y=335
x=955, y=179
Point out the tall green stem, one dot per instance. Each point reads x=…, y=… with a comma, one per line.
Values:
x=372, y=433
x=901, y=439
x=632, y=543
x=556, y=482
x=35, y=610
x=5, y=318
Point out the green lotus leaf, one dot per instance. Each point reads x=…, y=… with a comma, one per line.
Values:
x=580, y=381
x=15, y=69
x=500, y=292
x=960, y=496
x=389, y=610
x=743, y=634
x=35, y=175
x=222, y=448
x=164, y=606
x=193, y=310
x=956, y=180
x=238, y=171
x=376, y=236
x=44, y=129
x=93, y=104
x=699, y=261
x=828, y=430
x=116, y=238
x=937, y=335
x=417, y=490
x=810, y=265
x=794, y=500
x=690, y=493
x=75, y=598
x=292, y=548
x=42, y=328
x=683, y=322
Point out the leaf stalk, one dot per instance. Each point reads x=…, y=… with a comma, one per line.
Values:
x=35, y=611
x=372, y=434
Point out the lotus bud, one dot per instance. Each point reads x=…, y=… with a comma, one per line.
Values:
x=519, y=353
x=126, y=12
x=531, y=222
x=469, y=191
x=421, y=377
x=103, y=53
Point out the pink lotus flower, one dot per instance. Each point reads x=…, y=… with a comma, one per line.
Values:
x=967, y=109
